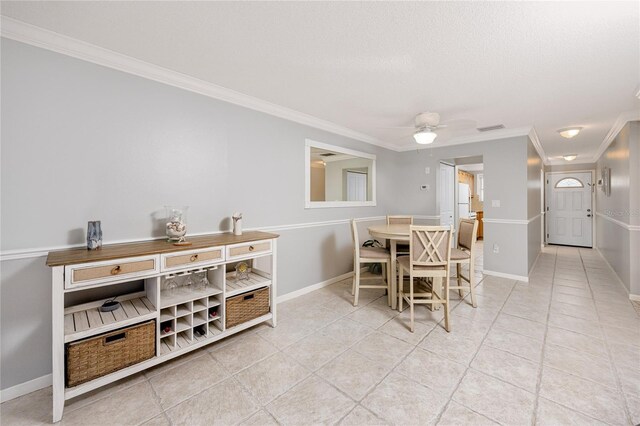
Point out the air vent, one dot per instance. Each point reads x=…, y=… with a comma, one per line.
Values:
x=490, y=128
x=327, y=154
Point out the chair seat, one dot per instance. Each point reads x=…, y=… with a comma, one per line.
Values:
x=374, y=253
x=457, y=254
x=404, y=261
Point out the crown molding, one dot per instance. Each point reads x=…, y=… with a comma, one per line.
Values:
x=46, y=39
x=620, y=122
x=533, y=135
x=481, y=137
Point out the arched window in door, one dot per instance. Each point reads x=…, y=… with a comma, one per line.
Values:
x=569, y=183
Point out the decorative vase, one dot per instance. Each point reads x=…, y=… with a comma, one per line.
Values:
x=94, y=235
x=176, y=227
x=237, y=223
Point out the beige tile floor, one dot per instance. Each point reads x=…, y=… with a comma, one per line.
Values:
x=562, y=349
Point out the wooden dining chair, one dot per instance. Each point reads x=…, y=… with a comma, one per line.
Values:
x=465, y=254
x=429, y=257
x=400, y=220
x=364, y=255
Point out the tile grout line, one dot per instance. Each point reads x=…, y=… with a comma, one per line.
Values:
x=468, y=366
x=544, y=344
x=608, y=349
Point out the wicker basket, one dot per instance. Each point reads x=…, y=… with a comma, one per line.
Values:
x=97, y=356
x=247, y=306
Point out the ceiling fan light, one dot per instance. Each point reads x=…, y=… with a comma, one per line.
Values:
x=570, y=157
x=569, y=132
x=424, y=137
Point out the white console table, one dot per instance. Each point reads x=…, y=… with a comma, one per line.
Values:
x=137, y=273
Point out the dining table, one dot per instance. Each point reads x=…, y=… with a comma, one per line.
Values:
x=395, y=233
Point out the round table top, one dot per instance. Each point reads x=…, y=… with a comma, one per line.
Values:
x=391, y=232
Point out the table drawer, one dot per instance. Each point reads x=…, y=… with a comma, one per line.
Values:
x=102, y=272
x=240, y=251
x=186, y=259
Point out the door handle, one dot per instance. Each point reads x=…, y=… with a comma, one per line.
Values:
x=588, y=215
x=588, y=210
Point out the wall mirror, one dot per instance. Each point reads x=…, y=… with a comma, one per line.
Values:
x=338, y=177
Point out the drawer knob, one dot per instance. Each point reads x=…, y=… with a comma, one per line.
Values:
x=193, y=258
x=116, y=270
x=251, y=248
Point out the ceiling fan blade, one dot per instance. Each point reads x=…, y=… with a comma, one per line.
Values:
x=461, y=123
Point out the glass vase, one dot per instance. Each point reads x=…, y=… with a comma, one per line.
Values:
x=176, y=227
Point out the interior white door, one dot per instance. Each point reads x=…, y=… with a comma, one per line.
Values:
x=447, y=188
x=569, y=211
x=356, y=186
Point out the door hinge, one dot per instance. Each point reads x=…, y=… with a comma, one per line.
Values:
x=547, y=208
x=547, y=181
x=547, y=235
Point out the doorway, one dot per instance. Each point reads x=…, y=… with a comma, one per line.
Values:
x=569, y=209
x=447, y=196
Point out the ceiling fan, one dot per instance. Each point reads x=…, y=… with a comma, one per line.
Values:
x=425, y=125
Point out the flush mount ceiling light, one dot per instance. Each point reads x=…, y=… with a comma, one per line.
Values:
x=570, y=157
x=569, y=132
x=424, y=137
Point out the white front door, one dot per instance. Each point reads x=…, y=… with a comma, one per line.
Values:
x=569, y=212
x=447, y=188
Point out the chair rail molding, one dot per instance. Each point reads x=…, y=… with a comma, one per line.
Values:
x=17, y=254
x=619, y=222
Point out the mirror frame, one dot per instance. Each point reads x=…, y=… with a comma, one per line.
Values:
x=308, y=204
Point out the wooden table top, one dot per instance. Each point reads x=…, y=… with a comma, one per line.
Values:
x=143, y=248
x=392, y=232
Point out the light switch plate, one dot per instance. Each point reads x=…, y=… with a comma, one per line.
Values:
x=495, y=203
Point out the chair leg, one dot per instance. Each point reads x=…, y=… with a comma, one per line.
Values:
x=388, y=277
x=472, y=279
x=458, y=270
x=353, y=281
x=357, y=284
x=446, y=305
x=400, y=288
x=411, y=304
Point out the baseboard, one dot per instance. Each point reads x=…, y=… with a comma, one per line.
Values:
x=534, y=263
x=615, y=273
x=503, y=275
x=634, y=297
x=25, y=388
x=313, y=287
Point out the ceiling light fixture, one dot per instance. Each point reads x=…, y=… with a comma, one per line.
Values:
x=424, y=137
x=570, y=157
x=569, y=132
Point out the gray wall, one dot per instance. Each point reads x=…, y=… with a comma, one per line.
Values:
x=534, y=204
x=82, y=142
x=618, y=244
x=506, y=179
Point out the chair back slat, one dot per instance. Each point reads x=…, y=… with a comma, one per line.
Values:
x=399, y=220
x=467, y=233
x=430, y=245
x=356, y=240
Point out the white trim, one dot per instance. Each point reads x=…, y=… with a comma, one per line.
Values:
x=313, y=287
x=28, y=253
x=509, y=221
x=619, y=223
x=308, y=204
x=25, y=388
x=620, y=122
x=480, y=137
x=535, y=261
x=503, y=275
x=533, y=135
x=634, y=297
x=45, y=39
x=425, y=217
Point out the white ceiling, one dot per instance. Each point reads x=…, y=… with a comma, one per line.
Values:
x=370, y=66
